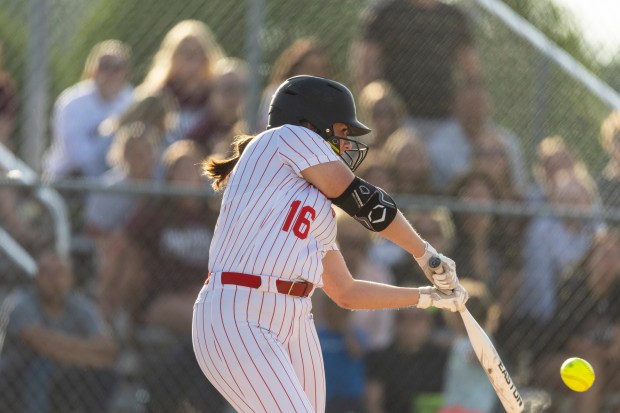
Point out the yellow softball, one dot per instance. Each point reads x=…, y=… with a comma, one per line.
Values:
x=577, y=374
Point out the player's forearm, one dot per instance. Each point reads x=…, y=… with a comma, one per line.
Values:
x=368, y=295
x=347, y=292
x=401, y=233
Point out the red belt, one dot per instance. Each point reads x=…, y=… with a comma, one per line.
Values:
x=294, y=288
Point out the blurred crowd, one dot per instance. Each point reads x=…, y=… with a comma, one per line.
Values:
x=544, y=286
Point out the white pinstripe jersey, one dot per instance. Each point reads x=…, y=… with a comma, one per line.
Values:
x=272, y=221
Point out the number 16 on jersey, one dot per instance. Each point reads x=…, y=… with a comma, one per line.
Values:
x=299, y=221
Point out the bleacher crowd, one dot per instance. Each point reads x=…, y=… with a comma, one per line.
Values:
x=119, y=311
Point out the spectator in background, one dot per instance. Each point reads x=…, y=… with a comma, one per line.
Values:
x=552, y=245
x=163, y=246
x=586, y=324
x=305, y=56
x=491, y=155
x=554, y=159
x=343, y=345
x=183, y=69
x=609, y=180
x=154, y=111
x=467, y=388
x=409, y=373
x=164, y=261
x=78, y=149
x=418, y=46
x=8, y=106
x=482, y=243
x=451, y=148
x=404, y=161
x=405, y=157
x=374, y=169
x=385, y=110
x=223, y=120
x=355, y=242
x=133, y=158
x=56, y=354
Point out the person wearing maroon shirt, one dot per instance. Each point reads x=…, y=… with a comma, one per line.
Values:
x=165, y=259
x=167, y=242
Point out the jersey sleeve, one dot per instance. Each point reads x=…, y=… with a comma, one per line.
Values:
x=300, y=148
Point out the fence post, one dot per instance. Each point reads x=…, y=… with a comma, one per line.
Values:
x=35, y=116
x=254, y=55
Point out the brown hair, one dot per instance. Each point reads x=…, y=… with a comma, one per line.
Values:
x=183, y=148
x=472, y=175
x=609, y=129
x=107, y=47
x=161, y=67
x=287, y=64
x=155, y=110
x=378, y=91
x=127, y=133
x=218, y=169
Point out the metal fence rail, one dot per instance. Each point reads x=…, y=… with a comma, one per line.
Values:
x=534, y=90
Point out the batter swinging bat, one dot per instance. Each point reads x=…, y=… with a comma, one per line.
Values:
x=489, y=359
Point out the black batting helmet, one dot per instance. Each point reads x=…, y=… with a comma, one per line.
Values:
x=320, y=102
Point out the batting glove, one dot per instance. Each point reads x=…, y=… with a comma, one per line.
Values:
x=444, y=276
x=433, y=297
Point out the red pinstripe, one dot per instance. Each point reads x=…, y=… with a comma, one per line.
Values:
x=294, y=242
x=232, y=349
x=260, y=349
x=243, y=167
x=268, y=362
x=213, y=374
x=303, y=141
x=234, y=244
x=260, y=374
x=288, y=259
x=240, y=202
x=279, y=361
x=282, y=213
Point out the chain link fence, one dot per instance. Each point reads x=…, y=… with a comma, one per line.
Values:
x=514, y=176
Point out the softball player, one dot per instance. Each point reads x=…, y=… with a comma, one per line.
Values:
x=274, y=243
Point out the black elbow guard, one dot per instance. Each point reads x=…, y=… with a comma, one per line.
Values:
x=368, y=204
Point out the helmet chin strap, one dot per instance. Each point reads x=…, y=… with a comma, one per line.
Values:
x=334, y=142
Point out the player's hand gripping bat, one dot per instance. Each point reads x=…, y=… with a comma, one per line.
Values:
x=489, y=359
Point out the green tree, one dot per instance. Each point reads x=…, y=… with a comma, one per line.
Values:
x=143, y=23
x=533, y=96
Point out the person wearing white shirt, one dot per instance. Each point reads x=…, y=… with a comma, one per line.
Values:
x=78, y=147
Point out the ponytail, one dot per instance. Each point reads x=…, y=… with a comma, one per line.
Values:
x=219, y=169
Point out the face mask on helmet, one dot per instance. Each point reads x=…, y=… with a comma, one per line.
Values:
x=354, y=152
x=319, y=103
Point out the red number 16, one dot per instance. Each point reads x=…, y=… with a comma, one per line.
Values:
x=301, y=227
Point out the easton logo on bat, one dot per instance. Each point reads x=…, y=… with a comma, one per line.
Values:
x=513, y=388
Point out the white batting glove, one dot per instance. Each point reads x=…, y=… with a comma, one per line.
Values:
x=444, y=276
x=433, y=297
